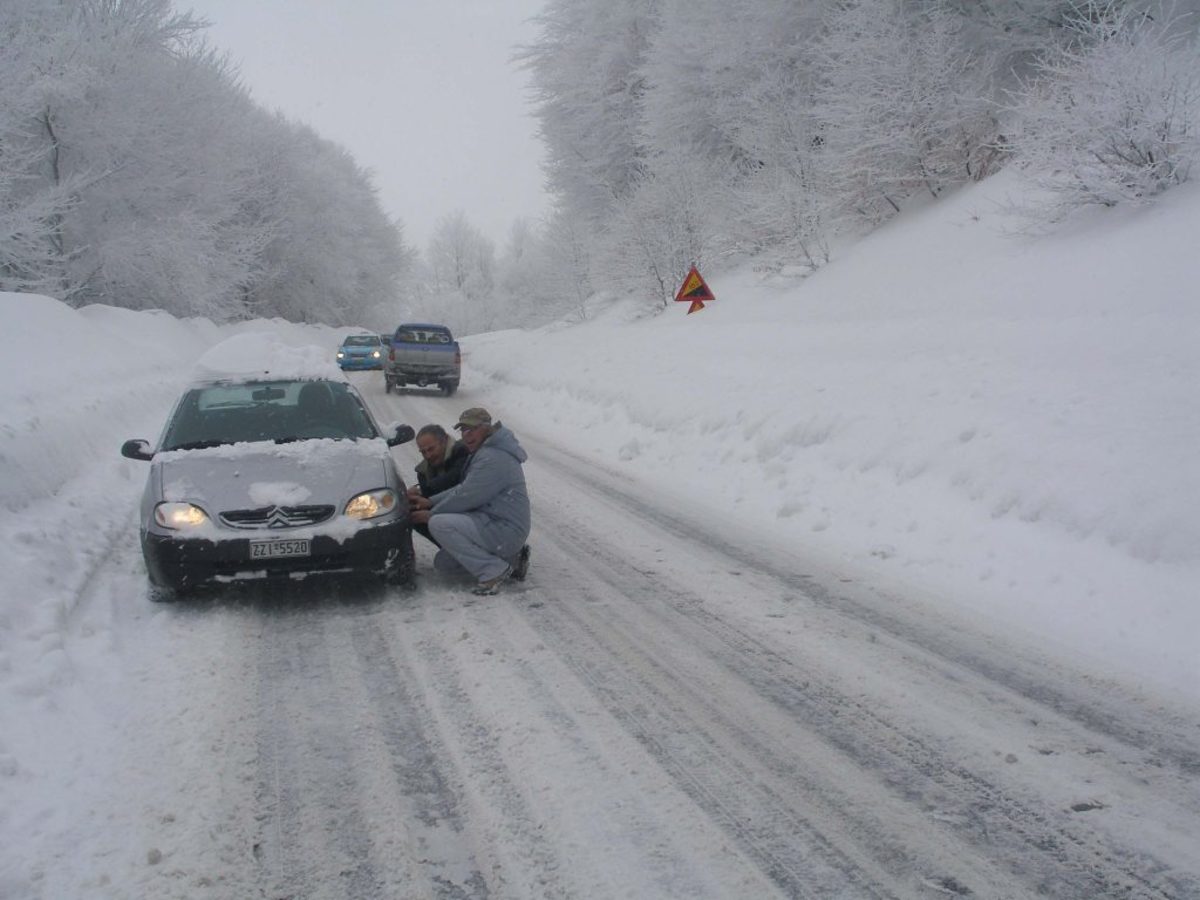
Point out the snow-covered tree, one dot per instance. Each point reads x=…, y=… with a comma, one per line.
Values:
x=1114, y=116
x=567, y=249
x=904, y=104
x=335, y=253
x=586, y=72
x=463, y=264
x=669, y=223
x=135, y=171
x=679, y=129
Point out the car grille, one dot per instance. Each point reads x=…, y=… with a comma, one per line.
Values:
x=276, y=516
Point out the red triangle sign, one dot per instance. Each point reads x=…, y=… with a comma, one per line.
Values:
x=694, y=291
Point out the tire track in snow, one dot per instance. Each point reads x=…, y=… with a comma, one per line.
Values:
x=1041, y=847
x=418, y=763
x=510, y=851
x=1167, y=737
x=314, y=842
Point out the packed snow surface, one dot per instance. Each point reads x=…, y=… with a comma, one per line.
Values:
x=1002, y=426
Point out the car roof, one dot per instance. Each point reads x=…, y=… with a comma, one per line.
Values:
x=262, y=356
x=424, y=325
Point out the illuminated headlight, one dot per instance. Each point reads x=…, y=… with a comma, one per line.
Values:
x=341, y=354
x=177, y=516
x=376, y=354
x=372, y=504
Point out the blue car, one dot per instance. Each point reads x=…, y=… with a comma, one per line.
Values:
x=361, y=351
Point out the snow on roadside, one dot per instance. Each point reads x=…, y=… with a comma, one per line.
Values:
x=74, y=384
x=1001, y=424
x=1004, y=426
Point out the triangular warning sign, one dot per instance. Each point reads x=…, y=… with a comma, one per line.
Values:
x=694, y=290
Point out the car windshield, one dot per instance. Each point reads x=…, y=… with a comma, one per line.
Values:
x=361, y=340
x=279, y=411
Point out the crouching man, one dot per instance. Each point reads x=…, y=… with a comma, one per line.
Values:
x=482, y=523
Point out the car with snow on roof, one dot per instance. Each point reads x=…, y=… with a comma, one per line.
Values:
x=361, y=351
x=271, y=466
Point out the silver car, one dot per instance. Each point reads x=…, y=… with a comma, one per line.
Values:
x=271, y=477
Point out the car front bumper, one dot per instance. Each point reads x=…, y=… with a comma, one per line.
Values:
x=183, y=563
x=360, y=362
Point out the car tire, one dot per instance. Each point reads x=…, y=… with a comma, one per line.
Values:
x=404, y=573
x=449, y=387
x=161, y=593
x=387, y=385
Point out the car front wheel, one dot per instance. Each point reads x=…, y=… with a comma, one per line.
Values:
x=402, y=571
x=162, y=593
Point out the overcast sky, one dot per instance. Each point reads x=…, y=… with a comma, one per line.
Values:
x=422, y=92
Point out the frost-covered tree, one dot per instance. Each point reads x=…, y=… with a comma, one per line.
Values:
x=463, y=259
x=518, y=270
x=747, y=116
x=463, y=264
x=172, y=217
x=904, y=104
x=698, y=129
x=335, y=253
x=567, y=272
x=588, y=83
x=1113, y=116
x=668, y=224
x=135, y=171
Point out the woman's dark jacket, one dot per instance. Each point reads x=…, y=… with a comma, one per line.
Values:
x=445, y=475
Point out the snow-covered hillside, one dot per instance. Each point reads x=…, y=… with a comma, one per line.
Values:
x=1007, y=424
x=1003, y=423
x=996, y=427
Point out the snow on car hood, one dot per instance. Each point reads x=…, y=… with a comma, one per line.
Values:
x=254, y=475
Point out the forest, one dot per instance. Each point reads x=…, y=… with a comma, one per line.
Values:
x=136, y=171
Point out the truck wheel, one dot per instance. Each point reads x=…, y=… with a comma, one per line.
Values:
x=449, y=387
x=387, y=385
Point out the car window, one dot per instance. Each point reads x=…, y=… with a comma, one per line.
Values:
x=361, y=340
x=279, y=411
x=422, y=336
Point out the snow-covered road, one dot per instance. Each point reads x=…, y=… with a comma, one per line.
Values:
x=668, y=707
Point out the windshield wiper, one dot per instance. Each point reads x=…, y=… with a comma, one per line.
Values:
x=198, y=445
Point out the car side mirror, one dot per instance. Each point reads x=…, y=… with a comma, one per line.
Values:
x=137, y=449
x=404, y=434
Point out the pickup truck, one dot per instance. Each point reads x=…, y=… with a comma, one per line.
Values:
x=423, y=355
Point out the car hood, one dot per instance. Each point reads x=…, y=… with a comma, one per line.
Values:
x=252, y=476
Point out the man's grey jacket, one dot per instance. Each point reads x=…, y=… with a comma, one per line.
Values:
x=493, y=493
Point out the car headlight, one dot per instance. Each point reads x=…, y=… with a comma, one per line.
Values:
x=372, y=504
x=177, y=516
x=341, y=353
x=376, y=354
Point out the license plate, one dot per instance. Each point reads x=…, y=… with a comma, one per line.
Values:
x=275, y=549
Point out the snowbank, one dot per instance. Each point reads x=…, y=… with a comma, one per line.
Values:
x=1006, y=425
x=1001, y=423
x=74, y=384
